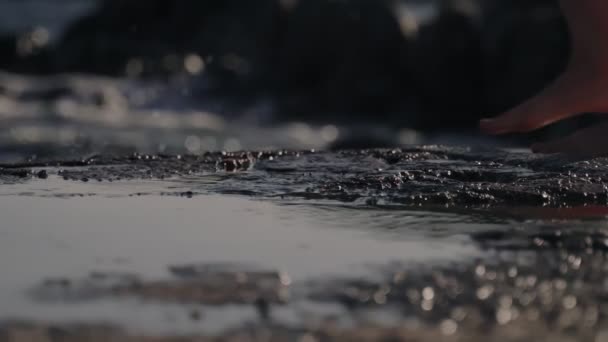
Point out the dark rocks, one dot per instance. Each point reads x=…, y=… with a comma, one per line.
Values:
x=526, y=45
x=351, y=62
x=236, y=164
x=155, y=38
x=42, y=174
x=12, y=174
x=26, y=52
x=447, y=67
x=424, y=176
x=322, y=60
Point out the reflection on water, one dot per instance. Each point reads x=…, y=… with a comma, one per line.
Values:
x=77, y=115
x=113, y=231
x=381, y=235
x=457, y=237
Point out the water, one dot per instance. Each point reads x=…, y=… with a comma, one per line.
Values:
x=419, y=235
x=71, y=237
x=106, y=185
x=22, y=15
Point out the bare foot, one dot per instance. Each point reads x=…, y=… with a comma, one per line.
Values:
x=579, y=90
x=582, y=88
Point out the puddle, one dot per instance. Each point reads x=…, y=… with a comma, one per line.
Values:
x=430, y=242
x=70, y=237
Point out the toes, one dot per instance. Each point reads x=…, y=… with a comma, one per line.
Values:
x=521, y=119
x=530, y=116
x=534, y=114
x=572, y=94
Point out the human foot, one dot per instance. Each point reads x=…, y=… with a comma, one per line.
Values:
x=582, y=88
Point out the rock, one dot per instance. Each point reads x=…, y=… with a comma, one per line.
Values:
x=42, y=174
x=8, y=50
x=26, y=52
x=446, y=68
x=525, y=46
x=154, y=37
x=322, y=60
x=348, y=65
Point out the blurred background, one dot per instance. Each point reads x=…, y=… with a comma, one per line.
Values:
x=189, y=76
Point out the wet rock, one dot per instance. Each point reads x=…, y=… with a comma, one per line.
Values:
x=8, y=48
x=26, y=52
x=12, y=174
x=446, y=67
x=42, y=174
x=238, y=164
x=579, y=240
x=156, y=37
x=411, y=177
x=348, y=65
x=321, y=60
x=137, y=166
x=50, y=94
x=526, y=46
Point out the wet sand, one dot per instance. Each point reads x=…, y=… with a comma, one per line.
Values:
x=427, y=244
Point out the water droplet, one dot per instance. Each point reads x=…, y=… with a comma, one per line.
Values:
x=503, y=316
x=485, y=292
x=330, y=133
x=193, y=144
x=428, y=293
x=448, y=327
x=427, y=305
x=194, y=64
x=569, y=302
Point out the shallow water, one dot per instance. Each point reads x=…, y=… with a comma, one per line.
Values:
x=46, y=234
x=451, y=237
x=112, y=211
